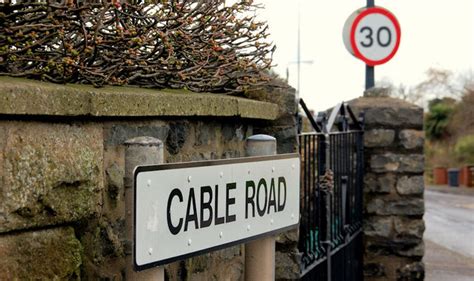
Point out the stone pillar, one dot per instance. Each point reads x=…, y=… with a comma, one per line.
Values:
x=393, y=188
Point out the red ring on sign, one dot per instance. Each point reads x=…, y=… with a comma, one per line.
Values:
x=392, y=18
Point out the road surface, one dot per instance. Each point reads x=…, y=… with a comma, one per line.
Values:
x=449, y=236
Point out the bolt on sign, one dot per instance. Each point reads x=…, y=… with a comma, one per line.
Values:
x=372, y=35
x=186, y=209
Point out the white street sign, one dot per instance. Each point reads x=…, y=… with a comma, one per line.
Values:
x=372, y=35
x=186, y=209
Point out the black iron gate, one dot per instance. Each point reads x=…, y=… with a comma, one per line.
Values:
x=331, y=196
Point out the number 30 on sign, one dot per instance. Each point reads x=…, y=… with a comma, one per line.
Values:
x=372, y=35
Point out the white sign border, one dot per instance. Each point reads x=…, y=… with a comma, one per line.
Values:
x=147, y=168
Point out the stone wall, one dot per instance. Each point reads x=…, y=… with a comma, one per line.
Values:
x=62, y=170
x=393, y=189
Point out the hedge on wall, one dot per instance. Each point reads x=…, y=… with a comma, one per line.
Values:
x=199, y=45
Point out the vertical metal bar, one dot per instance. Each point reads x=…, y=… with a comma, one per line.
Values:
x=335, y=194
x=301, y=232
x=361, y=175
x=357, y=180
x=314, y=195
x=307, y=193
x=334, y=169
x=309, y=214
x=361, y=198
x=347, y=174
x=332, y=146
x=347, y=206
x=336, y=188
x=329, y=234
x=351, y=181
x=322, y=151
x=313, y=192
x=343, y=179
x=337, y=184
x=355, y=173
x=310, y=188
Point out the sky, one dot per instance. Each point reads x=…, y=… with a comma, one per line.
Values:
x=435, y=33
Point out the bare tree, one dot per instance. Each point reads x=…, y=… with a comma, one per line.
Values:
x=194, y=44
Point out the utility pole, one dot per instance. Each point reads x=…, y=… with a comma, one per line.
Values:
x=298, y=57
x=298, y=54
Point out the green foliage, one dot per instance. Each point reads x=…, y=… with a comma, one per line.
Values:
x=437, y=120
x=462, y=121
x=464, y=149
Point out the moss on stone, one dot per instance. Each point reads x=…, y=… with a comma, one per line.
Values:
x=53, y=254
x=52, y=174
x=26, y=97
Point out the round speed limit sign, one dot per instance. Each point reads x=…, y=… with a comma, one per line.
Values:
x=372, y=35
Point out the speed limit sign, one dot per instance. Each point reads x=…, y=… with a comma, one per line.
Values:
x=372, y=35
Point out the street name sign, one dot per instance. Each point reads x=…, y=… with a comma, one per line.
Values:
x=372, y=35
x=186, y=209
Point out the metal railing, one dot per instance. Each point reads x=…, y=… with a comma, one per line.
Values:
x=331, y=196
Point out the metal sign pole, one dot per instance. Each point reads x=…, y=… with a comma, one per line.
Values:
x=139, y=151
x=369, y=70
x=260, y=254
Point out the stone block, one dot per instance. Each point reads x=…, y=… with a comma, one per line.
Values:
x=409, y=228
x=51, y=174
x=381, y=184
x=411, y=139
x=374, y=269
x=392, y=247
x=204, y=134
x=287, y=266
x=412, y=251
x=104, y=248
x=378, y=226
x=287, y=139
x=117, y=134
x=228, y=253
x=407, y=185
x=225, y=264
x=411, y=272
x=228, y=132
x=388, y=112
x=288, y=238
x=396, y=206
x=400, y=163
x=379, y=137
x=177, y=136
x=115, y=187
x=51, y=254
